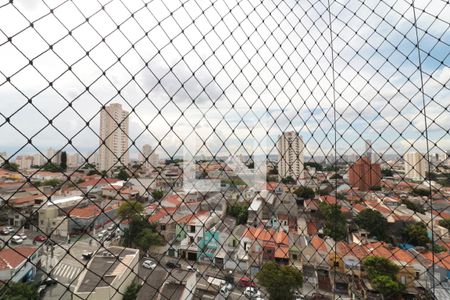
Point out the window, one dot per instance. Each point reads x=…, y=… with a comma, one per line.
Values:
x=163, y=227
x=192, y=229
x=294, y=256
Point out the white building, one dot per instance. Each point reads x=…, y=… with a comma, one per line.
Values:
x=290, y=155
x=38, y=159
x=148, y=157
x=54, y=156
x=73, y=160
x=19, y=263
x=114, y=125
x=24, y=161
x=416, y=166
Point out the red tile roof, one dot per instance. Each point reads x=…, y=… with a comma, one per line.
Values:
x=12, y=258
x=266, y=235
x=319, y=244
x=97, y=182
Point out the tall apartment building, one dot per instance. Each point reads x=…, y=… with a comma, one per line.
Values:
x=113, y=137
x=3, y=157
x=148, y=157
x=368, y=153
x=73, y=160
x=290, y=155
x=38, y=159
x=416, y=166
x=363, y=174
x=24, y=161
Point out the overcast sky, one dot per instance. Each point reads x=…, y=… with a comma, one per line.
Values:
x=248, y=69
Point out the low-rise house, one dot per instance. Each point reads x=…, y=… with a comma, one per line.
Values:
x=259, y=245
x=19, y=263
x=89, y=217
x=179, y=285
x=190, y=230
x=213, y=246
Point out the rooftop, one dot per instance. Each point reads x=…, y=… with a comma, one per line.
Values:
x=102, y=270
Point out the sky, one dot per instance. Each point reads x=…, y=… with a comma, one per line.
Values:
x=233, y=73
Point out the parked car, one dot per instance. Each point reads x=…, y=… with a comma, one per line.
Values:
x=87, y=255
x=41, y=289
x=193, y=269
x=49, y=281
x=149, y=264
x=252, y=292
x=225, y=291
x=6, y=230
x=22, y=236
x=40, y=238
x=246, y=282
x=111, y=227
x=173, y=265
x=16, y=239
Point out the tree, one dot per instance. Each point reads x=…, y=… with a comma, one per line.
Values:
x=148, y=237
x=51, y=167
x=19, y=291
x=382, y=275
x=421, y=192
x=51, y=182
x=130, y=209
x=238, y=211
x=157, y=195
x=288, y=180
x=416, y=234
x=315, y=165
x=377, y=265
x=413, y=206
x=12, y=167
x=334, y=225
x=375, y=188
x=336, y=176
x=63, y=164
x=122, y=175
x=304, y=192
x=387, y=173
x=388, y=287
x=445, y=223
x=280, y=281
x=374, y=222
x=141, y=234
x=132, y=291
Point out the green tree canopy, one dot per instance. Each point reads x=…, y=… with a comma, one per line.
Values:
x=157, y=195
x=413, y=206
x=238, y=211
x=387, y=172
x=280, y=281
x=416, y=234
x=51, y=167
x=63, y=164
x=445, y=223
x=334, y=223
x=12, y=167
x=382, y=275
x=132, y=291
x=123, y=175
x=421, y=192
x=315, y=165
x=19, y=291
x=288, y=180
x=304, y=192
x=374, y=222
x=130, y=209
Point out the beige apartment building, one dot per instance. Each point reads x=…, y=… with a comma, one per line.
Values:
x=114, y=125
x=416, y=166
x=290, y=155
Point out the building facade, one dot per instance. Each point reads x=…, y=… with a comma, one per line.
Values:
x=363, y=174
x=290, y=155
x=148, y=157
x=114, y=125
x=416, y=166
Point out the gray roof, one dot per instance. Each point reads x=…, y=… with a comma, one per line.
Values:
x=103, y=269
